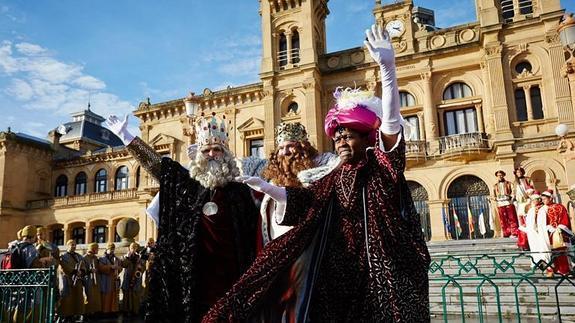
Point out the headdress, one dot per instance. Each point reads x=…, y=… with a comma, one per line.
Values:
x=535, y=196
x=548, y=193
x=354, y=109
x=92, y=245
x=290, y=132
x=500, y=171
x=210, y=131
x=28, y=231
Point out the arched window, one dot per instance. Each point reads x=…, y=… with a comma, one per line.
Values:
x=457, y=90
x=406, y=99
x=536, y=102
x=520, y=105
x=80, y=184
x=293, y=108
x=525, y=7
x=101, y=181
x=467, y=194
x=420, y=198
x=58, y=236
x=523, y=66
x=61, y=186
x=79, y=235
x=460, y=121
x=295, y=47
x=122, y=176
x=414, y=122
x=282, y=50
x=99, y=233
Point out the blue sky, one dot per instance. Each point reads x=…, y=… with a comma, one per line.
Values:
x=55, y=55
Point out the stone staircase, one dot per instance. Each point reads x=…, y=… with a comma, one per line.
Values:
x=459, y=269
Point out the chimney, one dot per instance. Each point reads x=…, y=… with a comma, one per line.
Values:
x=54, y=137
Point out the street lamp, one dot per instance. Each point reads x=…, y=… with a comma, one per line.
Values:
x=566, y=30
x=191, y=103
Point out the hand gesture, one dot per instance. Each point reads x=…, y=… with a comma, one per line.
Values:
x=120, y=128
x=379, y=45
x=253, y=182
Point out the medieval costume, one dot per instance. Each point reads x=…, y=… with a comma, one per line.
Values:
x=71, y=273
x=132, y=288
x=109, y=280
x=505, y=208
x=368, y=258
x=91, y=282
x=536, y=230
x=559, y=228
x=522, y=188
x=207, y=226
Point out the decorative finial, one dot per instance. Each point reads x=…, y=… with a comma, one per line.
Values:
x=148, y=101
x=9, y=130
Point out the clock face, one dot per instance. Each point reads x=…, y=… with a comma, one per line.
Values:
x=395, y=28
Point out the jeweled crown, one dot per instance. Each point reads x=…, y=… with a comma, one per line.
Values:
x=290, y=131
x=211, y=130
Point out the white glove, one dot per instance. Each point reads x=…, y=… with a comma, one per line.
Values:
x=120, y=128
x=192, y=151
x=550, y=228
x=379, y=46
x=275, y=192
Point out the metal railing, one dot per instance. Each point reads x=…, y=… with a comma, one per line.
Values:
x=27, y=295
x=499, y=286
x=286, y=57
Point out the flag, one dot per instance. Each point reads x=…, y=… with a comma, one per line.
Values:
x=457, y=224
x=470, y=221
x=491, y=219
x=447, y=226
x=481, y=221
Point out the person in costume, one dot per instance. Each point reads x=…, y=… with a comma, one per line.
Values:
x=521, y=190
x=207, y=223
x=369, y=259
x=132, y=288
x=91, y=281
x=536, y=230
x=109, y=280
x=559, y=228
x=502, y=193
x=71, y=274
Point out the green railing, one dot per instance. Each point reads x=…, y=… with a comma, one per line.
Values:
x=499, y=287
x=27, y=295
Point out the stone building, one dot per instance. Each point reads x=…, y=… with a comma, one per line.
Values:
x=482, y=96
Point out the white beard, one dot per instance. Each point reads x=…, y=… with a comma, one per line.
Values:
x=213, y=173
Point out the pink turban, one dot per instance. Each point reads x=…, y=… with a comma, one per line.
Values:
x=358, y=118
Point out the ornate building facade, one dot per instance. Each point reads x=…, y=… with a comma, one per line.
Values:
x=482, y=96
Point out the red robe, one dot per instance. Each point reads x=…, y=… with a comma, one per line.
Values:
x=557, y=214
x=345, y=284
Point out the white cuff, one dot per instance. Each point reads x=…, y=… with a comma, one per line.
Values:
x=399, y=137
x=153, y=210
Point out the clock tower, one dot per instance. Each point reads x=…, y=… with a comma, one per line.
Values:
x=402, y=20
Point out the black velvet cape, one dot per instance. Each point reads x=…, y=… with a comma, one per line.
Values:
x=173, y=295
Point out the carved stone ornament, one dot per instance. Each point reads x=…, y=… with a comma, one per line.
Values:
x=207, y=92
x=493, y=50
x=358, y=57
x=552, y=38
x=399, y=46
x=437, y=41
x=333, y=62
x=467, y=35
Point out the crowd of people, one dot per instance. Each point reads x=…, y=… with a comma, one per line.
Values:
x=88, y=286
x=540, y=224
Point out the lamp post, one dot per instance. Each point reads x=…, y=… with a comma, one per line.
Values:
x=191, y=102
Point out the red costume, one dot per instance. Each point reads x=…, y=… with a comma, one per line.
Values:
x=506, y=209
x=557, y=215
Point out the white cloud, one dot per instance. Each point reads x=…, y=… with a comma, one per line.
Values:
x=89, y=82
x=30, y=49
x=20, y=89
x=358, y=6
x=157, y=94
x=38, y=81
x=236, y=56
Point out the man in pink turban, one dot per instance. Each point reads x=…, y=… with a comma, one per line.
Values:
x=369, y=260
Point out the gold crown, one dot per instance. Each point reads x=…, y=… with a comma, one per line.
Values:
x=290, y=132
x=210, y=131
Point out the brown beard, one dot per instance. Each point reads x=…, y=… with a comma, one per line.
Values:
x=283, y=170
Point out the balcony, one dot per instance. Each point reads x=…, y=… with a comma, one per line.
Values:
x=287, y=59
x=466, y=143
x=416, y=149
x=94, y=198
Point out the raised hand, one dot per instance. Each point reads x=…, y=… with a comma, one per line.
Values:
x=378, y=44
x=258, y=184
x=120, y=128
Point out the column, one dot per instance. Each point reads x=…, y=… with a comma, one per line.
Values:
x=67, y=232
x=479, y=113
x=527, y=90
x=111, y=231
x=421, y=120
x=561, y=86
x=431, y=131
x=288, y=42
x=438, y=230
x=496, y=85
x=88, y=233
